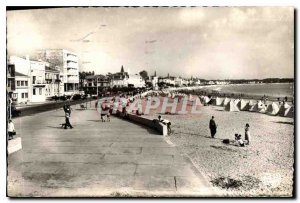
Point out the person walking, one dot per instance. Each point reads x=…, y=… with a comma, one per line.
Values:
x=212, y=127
x=247, y=133
x=68, y=124
x=11, y=129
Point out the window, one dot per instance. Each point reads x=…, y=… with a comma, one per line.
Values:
x=22, y=83
x=23, y=95
x=8, y=83
x=26, y=95
x=40, y=90
x=26, y=83
x=15, y=95
x=33, y=79
x=18, y=83
x=33, y=92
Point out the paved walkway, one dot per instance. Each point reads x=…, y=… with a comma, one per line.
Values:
x=116, y=158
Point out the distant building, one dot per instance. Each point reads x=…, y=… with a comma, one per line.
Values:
x=69, y=68
x=119, y=79
x=38, y=82
x=53, y=82
x=135, y=80
x=94, y=82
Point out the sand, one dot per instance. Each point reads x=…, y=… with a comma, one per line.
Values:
x=265, y=167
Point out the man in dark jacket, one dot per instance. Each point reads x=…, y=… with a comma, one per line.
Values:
x=212, y=127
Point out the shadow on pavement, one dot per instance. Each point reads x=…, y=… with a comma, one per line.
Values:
x=284, y=122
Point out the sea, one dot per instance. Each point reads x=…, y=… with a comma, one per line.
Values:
x=268, y=89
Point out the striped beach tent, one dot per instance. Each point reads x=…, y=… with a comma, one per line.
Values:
x=236, y=101
x=257, y=107
x=282, y=109
x=289, y=112
x=219, y=101
x=272, y=109
x=206, y=99
x=212, y=101
x=226, y=101
x=231, y=106
x=263, y=109
x=243, y=105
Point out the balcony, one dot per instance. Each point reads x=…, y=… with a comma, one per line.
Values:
x=72, y=58
x=72, y=65
x=39, y=83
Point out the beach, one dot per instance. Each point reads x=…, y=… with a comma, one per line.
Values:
x=265, y=167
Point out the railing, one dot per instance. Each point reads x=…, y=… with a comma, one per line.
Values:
x=36, y=82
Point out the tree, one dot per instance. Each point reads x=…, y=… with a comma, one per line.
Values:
x=144, y=74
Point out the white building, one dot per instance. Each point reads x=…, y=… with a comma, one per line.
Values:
x=21, y=93
x=38, y=82
x=69, y=68
x=136, y=81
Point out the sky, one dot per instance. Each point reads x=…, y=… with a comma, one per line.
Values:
x=205, y=42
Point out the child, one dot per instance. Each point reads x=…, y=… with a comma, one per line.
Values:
x=238, y=140
x=247, y=133
x=11, y=130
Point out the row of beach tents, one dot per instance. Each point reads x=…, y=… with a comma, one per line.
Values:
x=273, y=108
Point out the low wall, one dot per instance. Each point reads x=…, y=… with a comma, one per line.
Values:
x=49, y=106
x=161, y=128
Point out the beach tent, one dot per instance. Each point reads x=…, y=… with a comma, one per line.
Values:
x=206, y=99
x=212, y=101
x=263, y=109
x=236, y=101
x=231, y=106
x=282, y=109
x=219, y=101
x=289, y=112
x=243, y=105
x=226, y=101
x=257, y=107
x=272, y=109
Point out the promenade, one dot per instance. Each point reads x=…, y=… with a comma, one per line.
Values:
x=96, y=159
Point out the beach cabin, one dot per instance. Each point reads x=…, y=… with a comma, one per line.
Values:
x=226, y=101
x=219, y=101
x=282, y=109
x=289, y=112
x=243, y=105
x=231, y=106
x=272, y=109
x=257, y=107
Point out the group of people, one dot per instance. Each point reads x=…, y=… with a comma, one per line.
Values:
x=238, y=141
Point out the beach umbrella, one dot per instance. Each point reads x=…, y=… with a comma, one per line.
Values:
x=219, y=101
x=289, y=112
x=243, y=105
x=226, y=101
x=231, y=106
